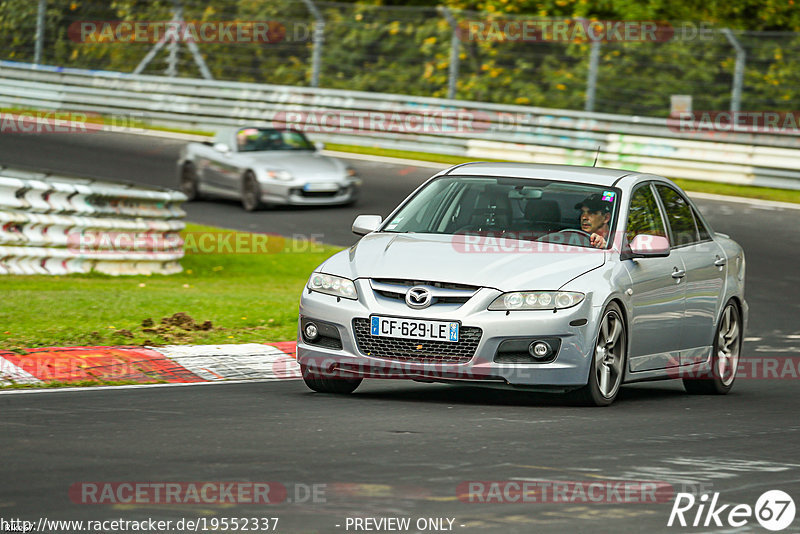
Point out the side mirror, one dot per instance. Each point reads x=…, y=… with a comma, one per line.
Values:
x=222, y=147
x=319, y=145
x=649, y=246
x=365, y=224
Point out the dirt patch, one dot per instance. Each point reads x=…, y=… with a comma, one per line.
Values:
x=175, y=328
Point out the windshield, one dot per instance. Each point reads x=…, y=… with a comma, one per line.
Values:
x=260, y=139
x=514, y=208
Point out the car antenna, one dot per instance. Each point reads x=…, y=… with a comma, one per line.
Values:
x=597, y=155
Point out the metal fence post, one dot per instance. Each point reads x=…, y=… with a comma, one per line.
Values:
x=738, y=71
x=591, y=82
x=174, y=45
x=455, y=50
x=319, y=40
x=40, y=21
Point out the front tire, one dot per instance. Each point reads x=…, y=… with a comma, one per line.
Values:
x=724, y=358
x=251, y=192
x=190, y=183
x=608, y=361
x=329, y=384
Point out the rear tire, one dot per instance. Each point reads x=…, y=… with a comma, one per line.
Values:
x=608, y=361
x=724, y=356
x=251, y=192
x=329, y=384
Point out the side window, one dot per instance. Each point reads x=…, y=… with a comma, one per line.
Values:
x=644, y=216
x=679, y=215
x=701, y=228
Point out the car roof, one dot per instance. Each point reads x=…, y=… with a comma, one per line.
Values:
x=565, y=173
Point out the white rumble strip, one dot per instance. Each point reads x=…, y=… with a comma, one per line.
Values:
x=233, y=362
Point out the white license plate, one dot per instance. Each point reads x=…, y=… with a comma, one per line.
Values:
x=414, y=328
x=321, y=187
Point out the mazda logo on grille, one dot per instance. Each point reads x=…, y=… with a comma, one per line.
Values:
x=418, y=297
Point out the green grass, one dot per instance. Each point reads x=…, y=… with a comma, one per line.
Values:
x=79, y=384
x=246, y=298
x=764, y=193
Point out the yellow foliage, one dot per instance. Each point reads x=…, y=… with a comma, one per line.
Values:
x=561, y=87
x=429, y=41
x=522, y=100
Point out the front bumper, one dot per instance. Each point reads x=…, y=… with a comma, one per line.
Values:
x=569, y=369
x=292, y=193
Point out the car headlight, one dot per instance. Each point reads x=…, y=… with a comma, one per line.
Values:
x=333, y=285
x=283, y=176
x=349, y=171
x=536, y=300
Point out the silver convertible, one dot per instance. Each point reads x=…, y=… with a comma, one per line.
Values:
x=539, y=277
x=262, y=166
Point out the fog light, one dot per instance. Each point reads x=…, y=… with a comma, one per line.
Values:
x=539, y=349
x=311, y=331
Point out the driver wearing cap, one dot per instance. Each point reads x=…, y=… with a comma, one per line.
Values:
x=595, y=216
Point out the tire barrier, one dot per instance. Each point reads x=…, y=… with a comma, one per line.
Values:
x=52, y=225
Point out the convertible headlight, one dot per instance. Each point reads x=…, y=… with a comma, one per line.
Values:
x=333, y=285
x=537, y=300
x=283, y=176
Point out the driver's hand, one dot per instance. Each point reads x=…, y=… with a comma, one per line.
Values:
x=597, y=241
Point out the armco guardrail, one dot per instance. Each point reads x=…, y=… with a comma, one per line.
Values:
x=521, y=133
x=58, y=225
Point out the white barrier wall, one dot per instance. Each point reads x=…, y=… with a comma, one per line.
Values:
x=522, y=133
x=58, y=225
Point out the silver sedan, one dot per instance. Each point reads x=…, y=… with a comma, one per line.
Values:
x=538, y=277
x=261, y=166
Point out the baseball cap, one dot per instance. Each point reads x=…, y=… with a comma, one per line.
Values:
x=595, y=202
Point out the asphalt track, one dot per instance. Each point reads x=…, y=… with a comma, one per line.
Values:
x=396, y=449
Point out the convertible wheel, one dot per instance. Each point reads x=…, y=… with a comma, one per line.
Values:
x=189, y=182
x=724, y=358
x=608, y=364
x=329, y=384
x=251, y=193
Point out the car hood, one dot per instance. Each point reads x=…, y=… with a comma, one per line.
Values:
x=504, y=264
x=302, y=163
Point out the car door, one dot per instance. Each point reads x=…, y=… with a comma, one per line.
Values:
x=705, y=265
x=658, y=294
x=221, y=167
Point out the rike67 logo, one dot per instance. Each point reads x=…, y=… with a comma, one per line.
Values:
x=774, y=510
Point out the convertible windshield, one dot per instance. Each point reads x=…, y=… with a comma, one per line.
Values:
x=260, y=139
x=514, y=208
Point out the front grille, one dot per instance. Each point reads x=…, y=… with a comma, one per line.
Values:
x=437, y=300
x=412, y=350
x=443, y=292
x=412, y=283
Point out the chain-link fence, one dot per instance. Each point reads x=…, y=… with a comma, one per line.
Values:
x=417, y=51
